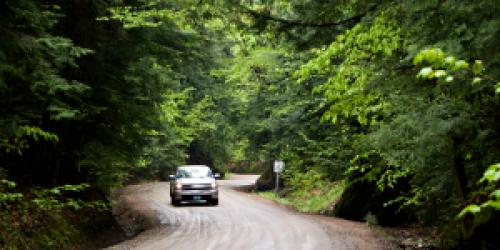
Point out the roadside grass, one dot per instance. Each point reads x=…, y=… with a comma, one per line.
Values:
x=271, y=195
x=228, y=175
x=317, y=198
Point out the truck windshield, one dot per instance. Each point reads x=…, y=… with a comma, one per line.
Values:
x=193, y=172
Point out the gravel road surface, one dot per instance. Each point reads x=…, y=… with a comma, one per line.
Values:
x=241, y=221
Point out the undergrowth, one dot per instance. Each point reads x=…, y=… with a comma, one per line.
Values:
x=308, y=192
x=47, y=218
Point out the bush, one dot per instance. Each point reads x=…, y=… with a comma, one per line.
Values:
x=45, y=218
x=309, y=192
x=362, y=197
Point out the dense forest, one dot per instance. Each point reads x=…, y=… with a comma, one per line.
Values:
x=392, y=107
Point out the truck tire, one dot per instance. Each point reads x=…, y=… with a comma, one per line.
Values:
x=175, y=202
x=215, y=202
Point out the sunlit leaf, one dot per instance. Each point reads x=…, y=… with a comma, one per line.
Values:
x=425, y=72
x=477, y=67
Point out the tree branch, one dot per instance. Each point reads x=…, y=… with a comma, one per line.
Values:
x=267, y=16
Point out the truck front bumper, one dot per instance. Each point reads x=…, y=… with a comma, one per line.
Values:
x=196, y=194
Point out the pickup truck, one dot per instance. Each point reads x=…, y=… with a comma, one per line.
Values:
x=194, y=183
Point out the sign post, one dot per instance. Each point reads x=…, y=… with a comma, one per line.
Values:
x=278, y=168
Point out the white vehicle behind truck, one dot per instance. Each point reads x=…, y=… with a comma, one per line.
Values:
x=194, y=183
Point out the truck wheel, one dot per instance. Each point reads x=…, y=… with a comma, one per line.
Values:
x=175, y=202
x=215, y=202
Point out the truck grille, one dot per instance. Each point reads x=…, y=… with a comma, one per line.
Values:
x=196, y=186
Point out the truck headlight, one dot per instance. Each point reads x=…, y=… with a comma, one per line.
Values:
x=178, y=185
x=214, y=184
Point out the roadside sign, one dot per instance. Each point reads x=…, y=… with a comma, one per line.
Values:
x=278, y=166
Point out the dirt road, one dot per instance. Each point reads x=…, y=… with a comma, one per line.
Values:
x=241, y=221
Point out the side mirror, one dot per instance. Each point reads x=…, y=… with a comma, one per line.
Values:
x=216, y=175
x=171, y=177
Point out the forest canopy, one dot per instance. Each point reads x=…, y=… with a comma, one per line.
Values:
x=400, y=98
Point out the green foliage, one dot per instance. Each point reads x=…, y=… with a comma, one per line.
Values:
x=408, y=102
x=347, y=84
x=475, y=215
x=491, y=175
x=35, y=133
x=398, y=96
x=371, y=219
x=309, y=193
x=38, y=218
x=50, y=199
x=273, y=196
x=19, y=142
x=6, y=196
x=448, y=69
x=125, y=93
x=112, y=92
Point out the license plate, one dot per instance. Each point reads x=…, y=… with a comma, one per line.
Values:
x=196, y=197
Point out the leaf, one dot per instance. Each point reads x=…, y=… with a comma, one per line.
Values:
x=450, y=60
x=55, y=191
x=468, y=156
x=477, y=67
x=470, y=209
x=425, y=72
x=460, y=64
x=440, y=73
x=492, y=174
x=476, y=80
x=493, y=204
x=495, y=194
x=60, y=113
x=434, y=56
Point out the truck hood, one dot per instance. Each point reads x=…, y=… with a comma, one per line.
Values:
x=196, y=180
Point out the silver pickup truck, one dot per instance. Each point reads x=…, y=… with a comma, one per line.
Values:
x=194, y=183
